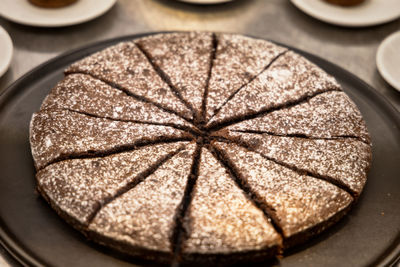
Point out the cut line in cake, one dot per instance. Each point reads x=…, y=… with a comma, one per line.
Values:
x=270, y=187
x=138, y=211
x=107, y=185
x=83, y=93
x=253, y=115
x=238, y=61
x=244, y=224
x=179, y=231
x=289, y=78
x=330, y=114
x=126, y=68
x=203, y=115
x=63, y=134
x=183, y=61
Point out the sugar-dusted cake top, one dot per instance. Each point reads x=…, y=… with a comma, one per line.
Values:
x=204, y=148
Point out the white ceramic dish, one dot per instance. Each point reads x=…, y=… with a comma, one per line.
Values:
x=388, y=59
x=6, y=51
x=23, y=12
x=369, y=13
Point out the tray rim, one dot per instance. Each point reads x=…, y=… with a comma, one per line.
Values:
x=23, y=256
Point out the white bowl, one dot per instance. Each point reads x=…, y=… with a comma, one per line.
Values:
x=6, y=51
x=23, y=12
x=388, y=59
x=371, y=12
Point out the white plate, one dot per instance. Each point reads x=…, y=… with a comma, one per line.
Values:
x=371, y=12
x=388, y=59
x=23, y=12
x=6, y=51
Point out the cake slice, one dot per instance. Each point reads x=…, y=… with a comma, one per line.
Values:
x=124, y=66
x=184, y=59
x=222, y=220
x=344, y=161
x=238, y=60
x=299, y=205
x=78, y=188
x=83, y=93
x=290, y=79
x=60, y=134
x=328, y=115
x=141, y=222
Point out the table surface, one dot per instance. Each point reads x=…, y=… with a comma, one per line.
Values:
x=353, y=49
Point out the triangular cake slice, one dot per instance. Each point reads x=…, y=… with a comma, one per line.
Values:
x=237, y=61
x=291, y=78
x=344, y=161
x=141, y=222
x=185, y=59
x=126, y=67
x=328, y=115
x=222, y=220
x=79, y=187
x=83, y=93
x=299, y=204
x=60, y=134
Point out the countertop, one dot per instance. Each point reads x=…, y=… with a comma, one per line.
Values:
x=354, y=49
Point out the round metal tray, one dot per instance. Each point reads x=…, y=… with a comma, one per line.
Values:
x=33, y=233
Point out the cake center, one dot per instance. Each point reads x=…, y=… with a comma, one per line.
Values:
x=203, y=138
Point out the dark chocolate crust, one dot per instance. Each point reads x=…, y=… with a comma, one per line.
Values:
x=199, y=148
x=52, y=3
x=345, y=2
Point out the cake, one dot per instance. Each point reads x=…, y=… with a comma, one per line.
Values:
x=52, y=3
x=345, y=2
x=196, y=147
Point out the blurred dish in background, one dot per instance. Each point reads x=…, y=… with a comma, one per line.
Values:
x=23, y=12
x=388, y=59
x=6, y=51
x=205, y=2
x=368, y=13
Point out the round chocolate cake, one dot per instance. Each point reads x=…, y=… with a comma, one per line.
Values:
x=199, y=147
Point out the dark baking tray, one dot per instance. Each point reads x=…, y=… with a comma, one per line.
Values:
x=32, y=232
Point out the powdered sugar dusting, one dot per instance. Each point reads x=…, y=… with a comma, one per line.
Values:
x=70, y=133
x=78, y=186
x=185, y=58
x=289, y=78
x=222, y=219
x=125, y=65
x=80, y=92
x=331, y=114
x=344, y=159
x=143, y=217
x=106, y=157
x=238, y=60
x=299, y=201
